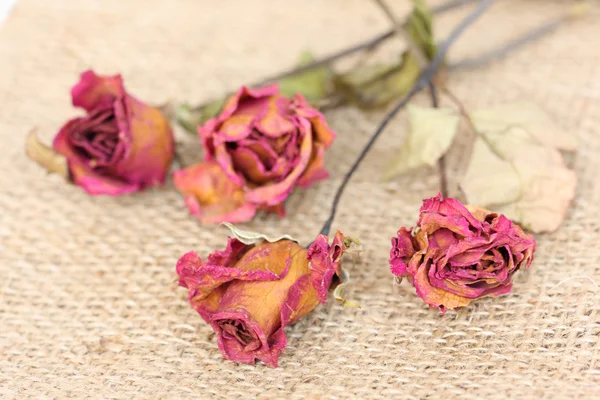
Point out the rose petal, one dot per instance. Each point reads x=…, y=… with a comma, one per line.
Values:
x=402, y=250
x=211, y=196
x=150, y=143
x=433, y=296
x=277, y=192
x=82, y=174
x=275, y=122
x=431, y=222
x=232, y=103
x=315, y=171
x=93, y=90
x=321, y=130
x=240, y=123
x=254, y=170
x=451, y=208
x=263, y=301
x=324, y=262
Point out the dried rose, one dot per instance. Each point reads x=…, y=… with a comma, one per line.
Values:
x=122, y=145
x=249, y=293
x=265, y=144
x=458, y=254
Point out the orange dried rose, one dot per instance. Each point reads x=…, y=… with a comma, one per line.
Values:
x=249, y=293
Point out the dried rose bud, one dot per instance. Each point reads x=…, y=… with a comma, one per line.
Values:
x=122, y=145
x=456, y=255
x=265, y=144
x=249, y=293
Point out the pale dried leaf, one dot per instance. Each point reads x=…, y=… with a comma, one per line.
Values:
x=249, y=237
x=548, y=186
x=45, y=156
x=489, y=179
x=528, y=116
x=431, y=133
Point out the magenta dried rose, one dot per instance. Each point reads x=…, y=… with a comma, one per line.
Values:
x=249, y=293
x=265, y=145
x=457, y=254
x=122, y=145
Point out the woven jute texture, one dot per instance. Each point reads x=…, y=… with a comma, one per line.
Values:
x=89, y=305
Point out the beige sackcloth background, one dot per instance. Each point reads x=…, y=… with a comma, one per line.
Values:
x=89, y=306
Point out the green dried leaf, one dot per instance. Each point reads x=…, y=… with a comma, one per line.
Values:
x=420, y=27
x=431, y=133
x=248, y=237
x=311, y=84
x=190, y=118
x=374, y=86
x=45, y=156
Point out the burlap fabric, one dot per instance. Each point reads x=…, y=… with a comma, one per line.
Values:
x=89, y=306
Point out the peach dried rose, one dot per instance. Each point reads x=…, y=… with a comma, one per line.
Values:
x=265, y=145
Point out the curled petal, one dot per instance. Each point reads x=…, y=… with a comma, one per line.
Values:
x=93, y=90
x=315, y=171
x=82, y=173
x=239, y=125
x=402, y=250
x=323, y=134
x=452, y=208
x=275, y=122
x=277, y=192
x=211, y=196
x=263, y=302
x=232, y=104
x=324, y=261
x=435, y=297
x=149, y=139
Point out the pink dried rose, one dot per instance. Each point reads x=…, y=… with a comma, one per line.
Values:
x=264, y=144
x=457, y=254
x=249, y=293
x=122, y=145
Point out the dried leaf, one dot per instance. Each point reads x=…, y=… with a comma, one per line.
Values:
x=45, y=156
x=528, y=116
x=500, y=183
x=248, y=237
x=431, y=133
x=420, y=27
x=339, y=290
x=374, y=86
x=311, y=84
x=190, y=118
x=547, y=185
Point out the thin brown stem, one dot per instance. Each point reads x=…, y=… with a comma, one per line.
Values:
x=461, y=108
x=366, y=45
x=413, y=47
x=423, y=81
x=442, y=161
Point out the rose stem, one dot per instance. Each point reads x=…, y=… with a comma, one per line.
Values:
x=442, y=161
x=423, y=81
x=529, y=37
x=367, y=45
